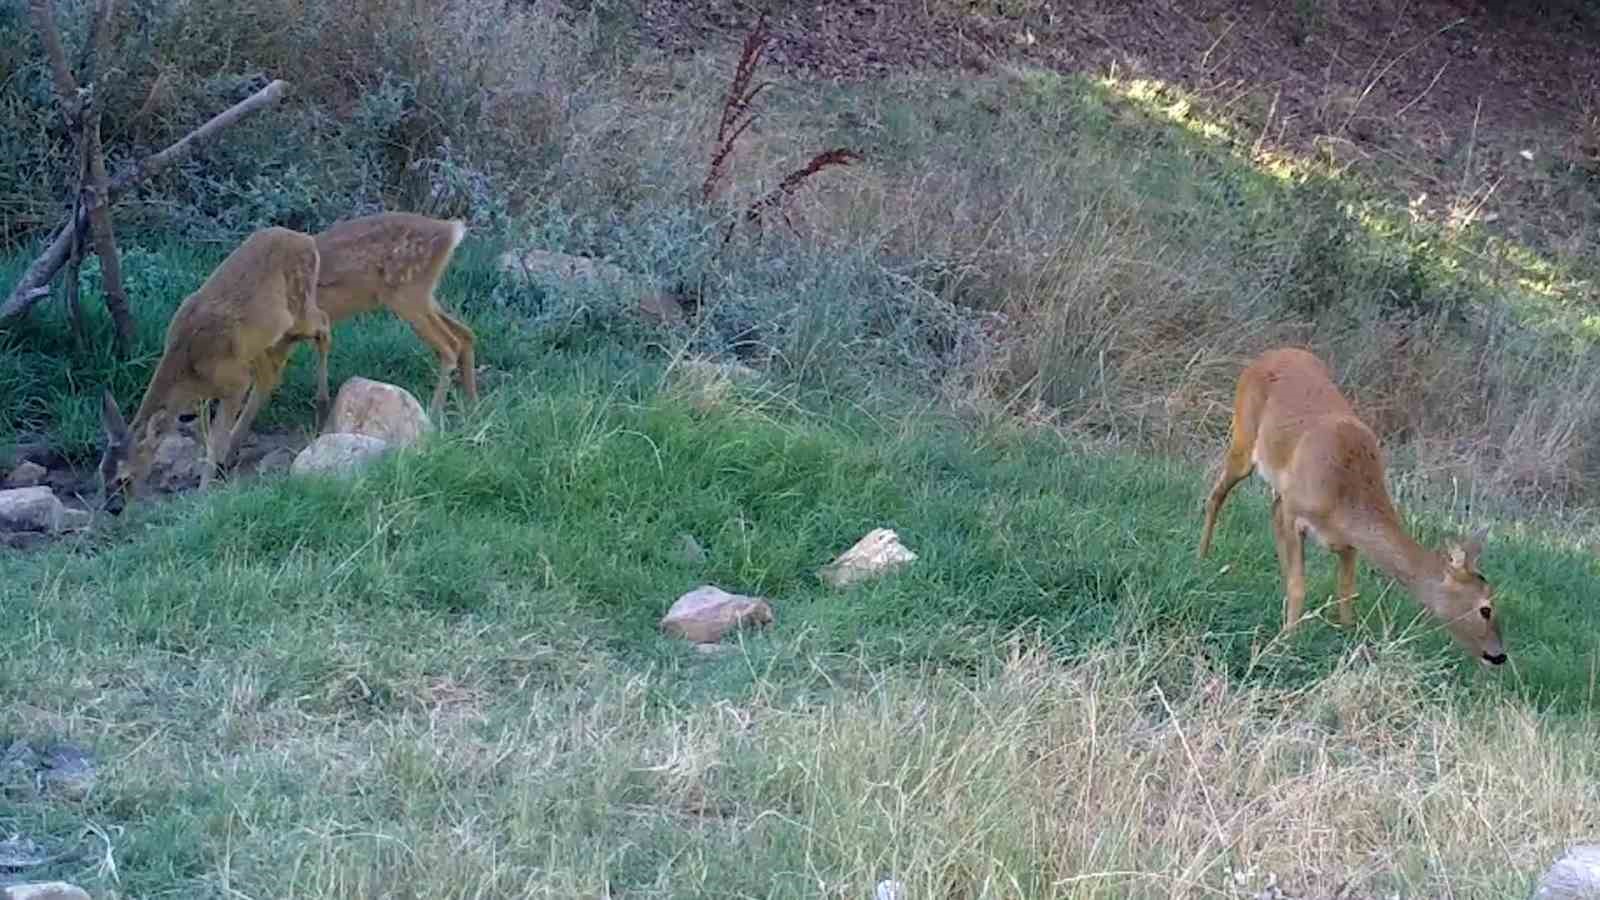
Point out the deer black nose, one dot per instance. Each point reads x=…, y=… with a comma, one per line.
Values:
x=1495, y=659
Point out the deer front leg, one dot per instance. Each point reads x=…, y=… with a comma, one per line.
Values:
x=1291, y=560
x=1347, y=587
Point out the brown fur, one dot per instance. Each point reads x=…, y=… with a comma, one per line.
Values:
x=1292, y=426
x=391, y=259
x=219, y=345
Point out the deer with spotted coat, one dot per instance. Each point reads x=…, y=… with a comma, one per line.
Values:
x=393, y=260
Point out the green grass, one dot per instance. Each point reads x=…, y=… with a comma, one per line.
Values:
x=447, y=673
x=444, y=679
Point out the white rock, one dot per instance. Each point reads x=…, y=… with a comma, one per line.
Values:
x=338, y=454
x=596, y=276
x=889, y=889
x=178, y=462
x=30, y=509
x=44, y=890
x=1575, y=876
x=708, y=613
x=376, y=409
x=877, y=553
x=27, y=474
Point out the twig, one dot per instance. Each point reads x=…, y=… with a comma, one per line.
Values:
x=840, y=156
x=105, y=238
x=45, y=267
x=737, y=115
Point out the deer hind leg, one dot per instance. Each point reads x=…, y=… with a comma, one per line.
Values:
x=464, y=349
x=1347, y=586
x=1236, y=466
x=423, y=317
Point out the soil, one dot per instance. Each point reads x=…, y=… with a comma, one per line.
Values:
x=78, y=485
x=1474, y=106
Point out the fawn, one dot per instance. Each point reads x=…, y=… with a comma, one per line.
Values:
x=219, y=344
x=391, y=259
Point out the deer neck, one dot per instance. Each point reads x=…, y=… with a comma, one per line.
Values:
x=162, y=381
x=1381, y=539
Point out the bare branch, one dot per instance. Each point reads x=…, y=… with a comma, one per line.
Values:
x=155, y=162
x=39, y=273
x=105, y=238
x=44, y=22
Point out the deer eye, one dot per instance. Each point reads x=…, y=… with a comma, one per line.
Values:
x=1485, y=611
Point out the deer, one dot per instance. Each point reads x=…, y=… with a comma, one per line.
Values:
x=1293, y=427
x=395, y=260
x=222, y=342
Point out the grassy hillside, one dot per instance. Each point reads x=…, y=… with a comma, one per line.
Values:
x=447, y=674
x=1010, y=332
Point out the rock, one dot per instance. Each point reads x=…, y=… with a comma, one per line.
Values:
x=338, y=454
x=708, y=613
x=30, y=509
x=74, y=519
x=878, y=553
x=19, y=852
x=44, y=890
x=689, y=550
x=23, y=540
x=597, y=276
x=708, y=382
x=712, y=649
x=278, y=460
x=178, y=462
x=1575, y=876
x=375, y=409
x=68, y=770
x=27, y=474
x=889, y=889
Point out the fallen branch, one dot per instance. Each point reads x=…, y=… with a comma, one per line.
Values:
x=791, y=182
x=27, y=291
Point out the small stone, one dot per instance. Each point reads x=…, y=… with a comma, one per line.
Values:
x=889, y=889
x=19, y=852
x=876, y=554
x=278, y=460
x=689, y=550
x=708, y=613
x=44, y=890
x=29, y=509
x=712, y=649
x=1575, y=876
x=27, y=474
x=706, y=383
x=69, y=771
x=178, y=462
x=74, y=519
x=373, y=408
x=340, y=455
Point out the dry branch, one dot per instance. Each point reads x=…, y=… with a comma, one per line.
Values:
x=105, y=239
x=737, y=106
x=840, y=156
x=27, y=290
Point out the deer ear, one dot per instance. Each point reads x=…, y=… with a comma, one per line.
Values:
x=1464, y=553
x=111, y=418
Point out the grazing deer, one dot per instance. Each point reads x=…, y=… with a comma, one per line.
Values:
x=1293, y=427
x=220, y=343
x=391, y=259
